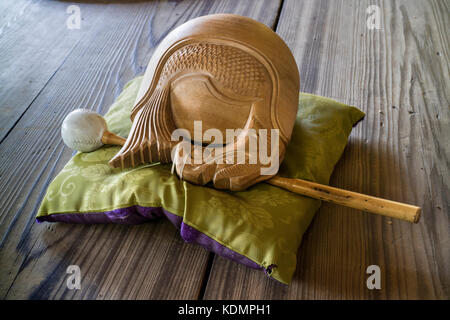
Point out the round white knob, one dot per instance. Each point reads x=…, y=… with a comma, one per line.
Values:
x=83, y=130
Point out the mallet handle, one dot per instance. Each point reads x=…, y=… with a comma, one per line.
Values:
x=350, y=199
x=112, y=138
x=314, y=190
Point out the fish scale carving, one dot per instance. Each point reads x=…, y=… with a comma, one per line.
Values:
x=233, y=68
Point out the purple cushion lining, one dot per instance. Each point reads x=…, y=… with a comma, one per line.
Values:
x=138, y=214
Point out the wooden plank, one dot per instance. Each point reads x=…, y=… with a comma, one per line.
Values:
x=147, y=261
x=34, y=41
x=399, y=76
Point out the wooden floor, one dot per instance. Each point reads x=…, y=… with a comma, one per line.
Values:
x=398, y=74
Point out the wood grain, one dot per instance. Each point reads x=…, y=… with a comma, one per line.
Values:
x=147, y=261
x=399, y=76
x=34, y=41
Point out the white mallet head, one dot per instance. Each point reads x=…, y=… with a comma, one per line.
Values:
x=83, y=130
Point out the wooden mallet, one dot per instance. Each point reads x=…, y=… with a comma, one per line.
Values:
x=86, y=131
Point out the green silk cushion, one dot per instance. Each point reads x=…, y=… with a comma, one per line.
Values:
x=264, y=223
